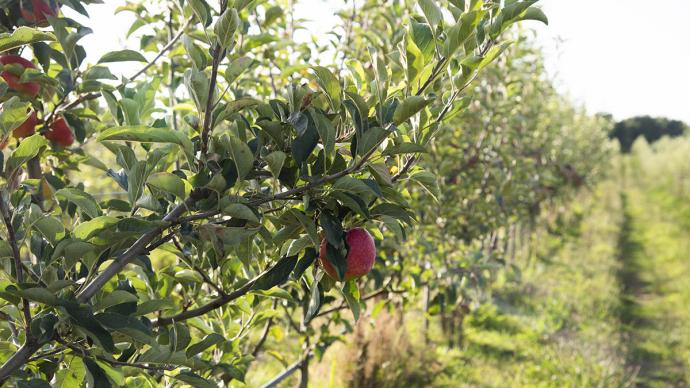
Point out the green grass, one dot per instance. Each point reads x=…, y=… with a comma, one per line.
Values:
x=655, y=251
x=606, y=303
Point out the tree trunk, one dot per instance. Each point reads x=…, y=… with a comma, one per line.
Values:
x=304, y=368
x=304, y=374
x=451, y=330
x=427, y=291
x=464, y=310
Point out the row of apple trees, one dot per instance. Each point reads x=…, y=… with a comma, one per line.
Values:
x=505, y=166
x=156, y=224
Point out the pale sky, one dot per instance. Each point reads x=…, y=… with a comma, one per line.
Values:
x=625, y=57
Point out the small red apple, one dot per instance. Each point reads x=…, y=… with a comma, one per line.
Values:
x=361, y=253
x=12, y=79
x=60, y=133
x=27, y=128
x=37, y=11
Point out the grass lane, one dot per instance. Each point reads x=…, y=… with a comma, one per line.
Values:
x=654, y=251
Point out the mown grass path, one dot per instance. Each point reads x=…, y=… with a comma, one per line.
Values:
x=604, y=303
x=654, y=278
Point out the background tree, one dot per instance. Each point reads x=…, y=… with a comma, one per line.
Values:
x=651, y=128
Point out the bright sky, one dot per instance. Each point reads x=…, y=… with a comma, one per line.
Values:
x=625, y=57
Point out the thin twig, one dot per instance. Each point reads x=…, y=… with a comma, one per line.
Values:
x=290, y=322
x=18, y=265
x=432, y=77
x=218, y=52
x=10, y=323
x=47, y=354
x=160, y=242
x=79, y=100
x=50, y=116
x=308, y=353
x=92, y=96
x=201, y=272
x=373, y=294
x=264, y=335
x=446, y=108
x=219, y=301
x=165, y=48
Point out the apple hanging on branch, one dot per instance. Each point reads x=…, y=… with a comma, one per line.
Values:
x=12, y=74
x=28, y=127
x=361, y=253
x=60, y=133
x=36, y=12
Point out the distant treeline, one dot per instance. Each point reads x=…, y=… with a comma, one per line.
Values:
x=652, y=128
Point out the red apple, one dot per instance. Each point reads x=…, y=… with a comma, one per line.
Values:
x=60, y=133
x=361, y=253
x=27, y=128
x=37, y=11
x=12, y=79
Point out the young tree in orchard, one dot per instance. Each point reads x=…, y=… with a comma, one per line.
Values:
x=515, y=150
x=234, y=161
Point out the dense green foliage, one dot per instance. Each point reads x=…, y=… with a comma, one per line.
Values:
x=176, y=241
